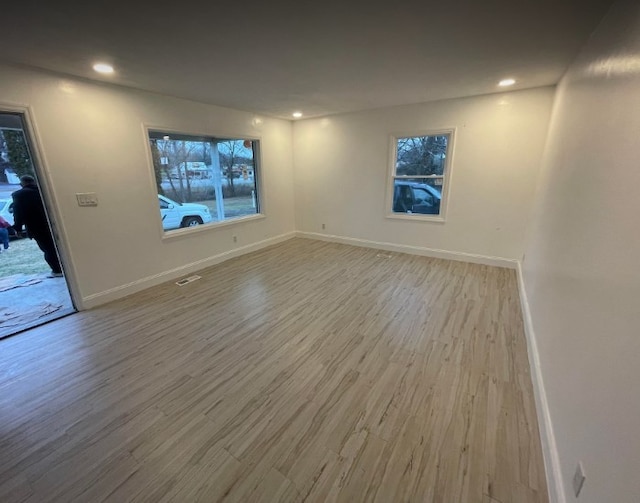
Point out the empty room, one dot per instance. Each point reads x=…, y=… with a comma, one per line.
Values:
x=328, y=251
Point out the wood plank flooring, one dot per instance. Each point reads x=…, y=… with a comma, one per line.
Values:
x=308, y=371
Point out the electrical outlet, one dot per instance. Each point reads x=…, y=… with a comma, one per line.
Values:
x=323, y=226
x=235, y=239
x=578, y=479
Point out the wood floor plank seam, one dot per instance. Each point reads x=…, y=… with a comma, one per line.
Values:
x=306, y=371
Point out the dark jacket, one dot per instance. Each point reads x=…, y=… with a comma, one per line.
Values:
x=28, y=210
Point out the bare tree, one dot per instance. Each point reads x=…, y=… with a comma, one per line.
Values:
x=229, y=152
x=421, y=155
x=157, y=165
x=177, y=153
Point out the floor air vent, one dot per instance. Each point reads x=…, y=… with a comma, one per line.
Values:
x=190, y=279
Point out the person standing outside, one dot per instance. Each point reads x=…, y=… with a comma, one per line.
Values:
x=28, y=210
x=4, y=233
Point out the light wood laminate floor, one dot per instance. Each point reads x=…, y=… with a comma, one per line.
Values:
x=308, y=371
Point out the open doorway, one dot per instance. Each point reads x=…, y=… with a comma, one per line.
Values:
x=33, y=288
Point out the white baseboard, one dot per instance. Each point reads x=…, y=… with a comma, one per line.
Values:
x=118, y=292
x=547, y=437
x=414, y=250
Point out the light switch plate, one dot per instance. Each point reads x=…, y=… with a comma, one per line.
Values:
x=87, y=198
x=578, y=479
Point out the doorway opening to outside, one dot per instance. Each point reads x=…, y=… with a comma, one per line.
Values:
x=33, y=287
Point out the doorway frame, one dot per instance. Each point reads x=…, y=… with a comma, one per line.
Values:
x=52, y=209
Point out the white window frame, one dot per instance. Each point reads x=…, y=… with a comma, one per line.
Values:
x=167, y=235
x=392, y=176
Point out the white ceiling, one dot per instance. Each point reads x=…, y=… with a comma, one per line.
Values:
x=321, y=57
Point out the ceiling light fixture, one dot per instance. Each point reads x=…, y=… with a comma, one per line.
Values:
x=103, y=68
x=506, y=82
x=297, y=115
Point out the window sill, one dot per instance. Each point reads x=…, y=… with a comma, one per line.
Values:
x=190, y=231
x=416, y=217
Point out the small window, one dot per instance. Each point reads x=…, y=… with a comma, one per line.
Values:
x=420, y=167
x=204, y=180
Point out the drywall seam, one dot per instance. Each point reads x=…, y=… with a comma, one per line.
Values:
x=118, y=292
x=414, y=250
x=549, y=447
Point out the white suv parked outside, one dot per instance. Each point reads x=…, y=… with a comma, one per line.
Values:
x=175, y=215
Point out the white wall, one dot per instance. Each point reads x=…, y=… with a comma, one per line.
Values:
x=341, y=172
x=92, y=140
x=582, y=265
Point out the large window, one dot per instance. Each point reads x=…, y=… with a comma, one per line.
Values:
x=204, y=180
x=419, y=171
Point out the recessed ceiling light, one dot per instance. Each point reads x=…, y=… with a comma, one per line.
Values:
x=103, y=68
x=297, y=115
x=507, y=82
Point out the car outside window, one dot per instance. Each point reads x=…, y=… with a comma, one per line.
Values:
x=420, y=168
x=204, y=180
x=421, y=196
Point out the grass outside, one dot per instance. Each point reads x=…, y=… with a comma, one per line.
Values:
x=233, y=207
x=23, y=257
